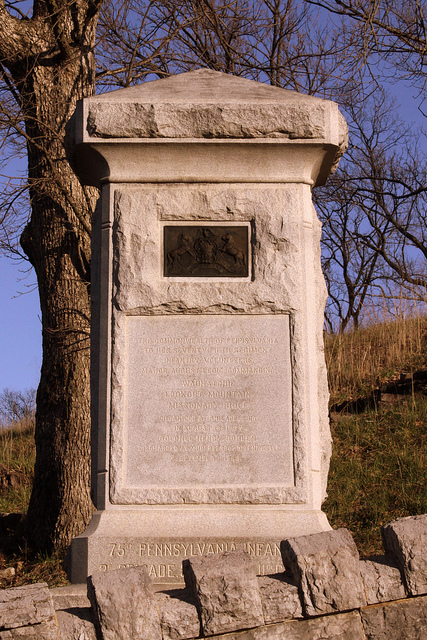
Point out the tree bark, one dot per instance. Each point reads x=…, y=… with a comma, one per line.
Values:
x=51, y=63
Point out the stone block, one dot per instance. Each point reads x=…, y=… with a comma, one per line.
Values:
x=183, y=107
x=43, y=631
x=226, y=592
x=25, y=606
x=343, y=626
x=403, y=620
x=382, y=579
x=74, y=615
x=406, y=539
x=325, y=566
x=179, y=619
x=280, y=598
x=124, y=604
x=76, y=624
x=72, y=596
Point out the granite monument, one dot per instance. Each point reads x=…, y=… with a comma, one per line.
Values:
x=209, y=392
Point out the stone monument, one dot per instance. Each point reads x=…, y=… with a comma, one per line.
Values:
x=210, y=421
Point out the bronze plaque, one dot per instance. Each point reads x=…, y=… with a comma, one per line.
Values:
x=206, y=251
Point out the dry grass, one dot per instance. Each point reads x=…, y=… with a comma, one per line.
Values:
x=17, y=456
x=359, y=361
x=378, y=468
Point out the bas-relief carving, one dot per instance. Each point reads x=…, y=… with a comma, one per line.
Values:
x=206, y=251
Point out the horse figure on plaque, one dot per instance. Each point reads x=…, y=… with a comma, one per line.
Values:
x=204, y=251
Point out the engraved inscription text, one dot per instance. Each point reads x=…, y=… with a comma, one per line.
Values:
x=208, y=401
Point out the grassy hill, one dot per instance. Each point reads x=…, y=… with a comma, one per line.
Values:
x=378, y=468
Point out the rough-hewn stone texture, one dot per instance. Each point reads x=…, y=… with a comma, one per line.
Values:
x=382, y=579
x=343, y=626
x=404, y=620
x=171, y=109
x=326, y=569
x=406, y=539
x=24, y=606
x=43, y=631
x=179, y=619
x=133, y=120
x=124, y=605
x=74, y=615
x=226, y=591
x=280, y=598
x=76, y=624
x=72, y=596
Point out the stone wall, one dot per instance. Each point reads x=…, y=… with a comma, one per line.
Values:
x=325, y=592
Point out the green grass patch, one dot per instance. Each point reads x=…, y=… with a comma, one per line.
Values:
x=378, y=470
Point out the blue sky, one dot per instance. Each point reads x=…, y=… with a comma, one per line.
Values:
x=20, y=328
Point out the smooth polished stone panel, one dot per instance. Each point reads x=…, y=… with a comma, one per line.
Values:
x=208, y=406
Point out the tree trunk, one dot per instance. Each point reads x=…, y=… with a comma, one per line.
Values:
x=60, y=505
x=50, y=59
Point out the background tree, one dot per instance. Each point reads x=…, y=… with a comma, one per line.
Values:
x=392, y=34
x=47, y=64
x=16, y=406
x=388, y=179
x=373, y=212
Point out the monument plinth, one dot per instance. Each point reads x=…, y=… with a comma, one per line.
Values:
x=209, y=393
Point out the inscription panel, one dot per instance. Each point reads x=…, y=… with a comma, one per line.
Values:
x=163, y=558
x=208, y=401
x=209, y=251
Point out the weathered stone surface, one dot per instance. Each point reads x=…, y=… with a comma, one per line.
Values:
x=209, y=104
x=343, y=626
x=72, y=596
x=76, y=624
x=325, y=567
x=179, y=619
x=73, y=612
x=226, y=592
x=24, y=606
x=404, y=620
x=280, y=598
x=261, y=442
x=382, y=579
x=43, y=631
x=406, y=539
x=200, y=431
x=124, y=605
x=135, y=120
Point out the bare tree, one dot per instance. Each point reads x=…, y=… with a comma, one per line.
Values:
x=47, y=64
x=373, y=211
x=16, y=406
x=392, y=35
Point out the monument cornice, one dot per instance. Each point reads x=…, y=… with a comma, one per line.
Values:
x=195, y=160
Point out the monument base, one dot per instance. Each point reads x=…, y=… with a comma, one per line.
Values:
x=161, y=537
